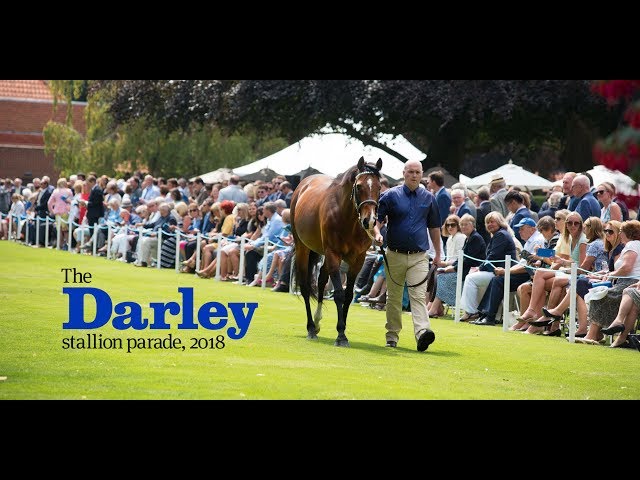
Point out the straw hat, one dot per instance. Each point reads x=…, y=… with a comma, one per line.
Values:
x=497, y=178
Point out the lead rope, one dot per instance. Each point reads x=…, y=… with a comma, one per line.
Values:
x=384, y=256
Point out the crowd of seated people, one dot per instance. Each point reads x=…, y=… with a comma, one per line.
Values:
x=124, y=220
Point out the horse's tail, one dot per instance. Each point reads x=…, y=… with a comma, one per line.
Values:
x=314, y=258
x=306, y=275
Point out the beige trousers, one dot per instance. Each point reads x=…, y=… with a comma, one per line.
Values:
x=412, y=268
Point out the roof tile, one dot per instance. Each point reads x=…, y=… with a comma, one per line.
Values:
x=30, y=89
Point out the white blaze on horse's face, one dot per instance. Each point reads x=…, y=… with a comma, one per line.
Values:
x=367, y=193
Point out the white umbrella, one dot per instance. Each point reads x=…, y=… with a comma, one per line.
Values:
x=512, y=174
x=623, y=183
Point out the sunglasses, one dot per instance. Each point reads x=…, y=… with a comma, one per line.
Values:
x=193, y=209
x=608, y=231
x=601, y=192
x=570, y=224
x=452, y=224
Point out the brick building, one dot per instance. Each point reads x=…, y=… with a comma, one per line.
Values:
x=25, y=108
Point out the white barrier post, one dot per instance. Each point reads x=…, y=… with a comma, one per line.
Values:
x=159, y=248
x=218, y=257
x=264, y=264
x=459, y=286
x=506, y=313
x=81, y=239
x=572, y=302
x=70, y=235
x=37, y=245
x=46, y=231
x=198, y=240
x=95, y=239
x=292, y=275
x=58, y=233
x=241, y=264
x=177, y=232
x=109, y=233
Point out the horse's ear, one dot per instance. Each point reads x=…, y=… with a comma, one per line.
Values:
x=379, y=164
x=360, y=164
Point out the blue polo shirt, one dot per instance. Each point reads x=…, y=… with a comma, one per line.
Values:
x=410, y=215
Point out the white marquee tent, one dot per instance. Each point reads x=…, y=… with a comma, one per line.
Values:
x=332, y=154
x=623, y=183
x=513, y=175
x=219, y=175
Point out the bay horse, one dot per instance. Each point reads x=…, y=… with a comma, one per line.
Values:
x=333, y=218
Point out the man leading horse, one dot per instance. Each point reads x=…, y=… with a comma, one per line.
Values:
x=409, y=211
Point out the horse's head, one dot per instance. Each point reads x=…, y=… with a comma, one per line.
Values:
x=366, y=192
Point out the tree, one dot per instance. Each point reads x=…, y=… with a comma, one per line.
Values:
x=113, y=149
x=447, y=119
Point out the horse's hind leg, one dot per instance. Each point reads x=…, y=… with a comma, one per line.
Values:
x=303, y=274
x=323, y=277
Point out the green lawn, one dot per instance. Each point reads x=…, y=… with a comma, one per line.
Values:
x=273, y=360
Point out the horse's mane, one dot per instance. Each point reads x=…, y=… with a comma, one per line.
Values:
x=345, y=177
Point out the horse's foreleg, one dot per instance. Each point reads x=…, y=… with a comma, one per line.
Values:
x=338, y=297
x=348, y=295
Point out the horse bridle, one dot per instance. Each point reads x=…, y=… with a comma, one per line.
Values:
x=370, y=200
x=364, y=202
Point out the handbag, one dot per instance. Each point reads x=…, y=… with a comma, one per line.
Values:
x=596, y=293
x=634, y=341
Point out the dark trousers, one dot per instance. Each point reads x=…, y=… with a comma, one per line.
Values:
x=42, y=235
x=251, y=260
x=286, y=267
x=495, y=293
x=189, y=248
x=367, y=271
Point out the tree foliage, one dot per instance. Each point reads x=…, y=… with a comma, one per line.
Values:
x=114, y=148
x=447, y=119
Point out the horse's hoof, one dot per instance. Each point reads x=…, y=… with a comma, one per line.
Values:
x=341, y=343
x=312, y=337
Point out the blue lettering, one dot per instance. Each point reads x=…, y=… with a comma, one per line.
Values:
x=187, y=309
x=206, y=312
x=159, y=310
x=242, y=321
x=76, y=308
x=135, y=314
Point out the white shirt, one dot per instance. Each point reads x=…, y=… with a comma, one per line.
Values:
x=536, y=239
x=632, y=246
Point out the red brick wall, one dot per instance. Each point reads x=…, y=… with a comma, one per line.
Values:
x=18, y=162
x=21, y=125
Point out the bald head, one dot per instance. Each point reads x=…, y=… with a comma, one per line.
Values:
x=567, y=180
x=412, y=174
x=580, y=185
